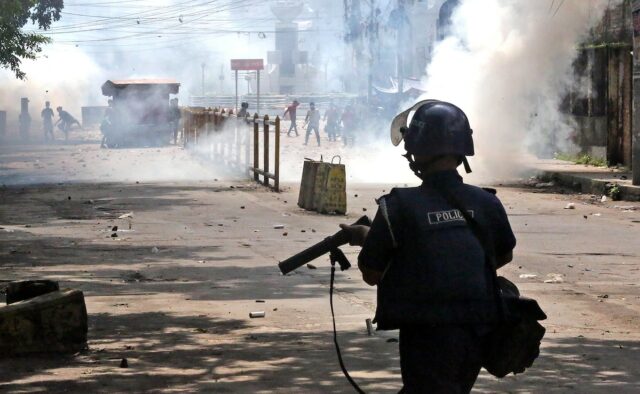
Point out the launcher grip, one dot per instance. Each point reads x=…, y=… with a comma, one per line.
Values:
x=338, y=239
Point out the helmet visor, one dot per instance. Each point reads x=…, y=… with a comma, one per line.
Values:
x=401, y=121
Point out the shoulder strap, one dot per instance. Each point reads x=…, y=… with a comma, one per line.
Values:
x=382, y=204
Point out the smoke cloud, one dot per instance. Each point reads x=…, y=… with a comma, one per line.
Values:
x=66, y=78
x=508, y=65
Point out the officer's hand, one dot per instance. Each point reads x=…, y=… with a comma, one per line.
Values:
x=357, y=233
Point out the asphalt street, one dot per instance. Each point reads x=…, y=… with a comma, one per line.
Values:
x=192, y=257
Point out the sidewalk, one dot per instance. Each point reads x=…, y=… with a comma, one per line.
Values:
x=588, y=179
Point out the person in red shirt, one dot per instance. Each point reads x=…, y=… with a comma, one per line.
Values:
x=291, y=110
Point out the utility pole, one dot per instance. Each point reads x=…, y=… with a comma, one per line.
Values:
x=401, y=29
x=221, y=78
x=203, y=66
x=373, y=32
x=635, y=123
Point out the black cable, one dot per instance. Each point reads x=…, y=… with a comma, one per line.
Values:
x=335, y=332
x=202, y=14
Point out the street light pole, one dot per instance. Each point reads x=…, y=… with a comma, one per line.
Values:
x=203, y=66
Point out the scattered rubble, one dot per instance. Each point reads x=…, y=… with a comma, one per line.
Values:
x=134, y=277
x=555, y=278
x=626, y=207
x=570, y=206
x=369, y=325
x=544, y=185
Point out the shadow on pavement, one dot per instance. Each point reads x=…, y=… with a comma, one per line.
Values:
x=167, y=352
x=576, y=365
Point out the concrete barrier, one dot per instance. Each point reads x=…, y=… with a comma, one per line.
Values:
x=54, y=322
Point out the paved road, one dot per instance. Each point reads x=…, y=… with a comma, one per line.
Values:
x=179, y=312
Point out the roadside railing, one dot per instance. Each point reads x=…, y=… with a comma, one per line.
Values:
x=222, y=137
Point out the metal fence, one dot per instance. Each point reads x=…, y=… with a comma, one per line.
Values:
x=272, y=104
x=228, y=140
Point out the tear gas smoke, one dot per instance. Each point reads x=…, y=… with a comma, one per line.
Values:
x=64, y=78
x=508, y=65
x=160, y=39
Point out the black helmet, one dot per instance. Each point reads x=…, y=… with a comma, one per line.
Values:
x=437, y=128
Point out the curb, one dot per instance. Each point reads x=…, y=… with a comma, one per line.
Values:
x=591, y=186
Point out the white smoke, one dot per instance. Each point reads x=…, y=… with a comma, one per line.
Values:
x=508, y=66
x=66, y=79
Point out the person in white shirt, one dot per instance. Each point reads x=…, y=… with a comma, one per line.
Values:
x=313, y=123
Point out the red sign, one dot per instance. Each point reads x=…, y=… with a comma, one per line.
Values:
x=247, y=64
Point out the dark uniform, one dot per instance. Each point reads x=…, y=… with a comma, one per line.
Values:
x=436, y=288
x=436, y=285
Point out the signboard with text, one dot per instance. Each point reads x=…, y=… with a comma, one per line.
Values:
x=247, y=64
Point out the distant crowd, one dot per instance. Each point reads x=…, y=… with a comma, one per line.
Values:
x=340, y=123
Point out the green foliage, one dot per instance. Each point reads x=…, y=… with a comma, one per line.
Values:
x=17, y=45
x=582, y=159
x=614, y=192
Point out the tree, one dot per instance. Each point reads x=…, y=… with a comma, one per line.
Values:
x=16, y=44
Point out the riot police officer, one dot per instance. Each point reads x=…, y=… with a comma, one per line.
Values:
x=434, y=284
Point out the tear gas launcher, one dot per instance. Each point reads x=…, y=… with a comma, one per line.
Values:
x=328, y=245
